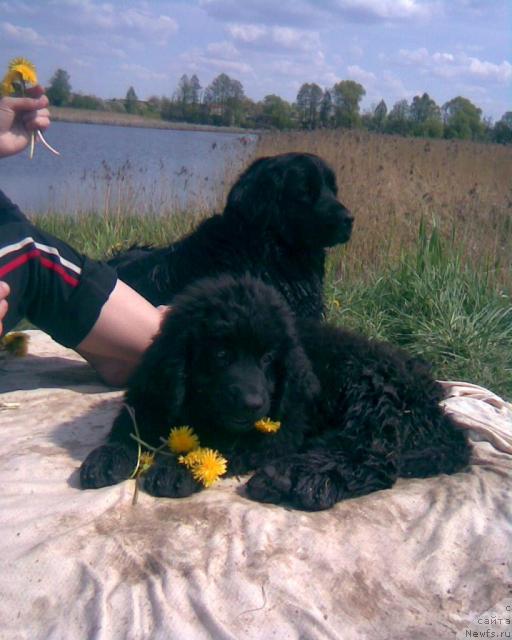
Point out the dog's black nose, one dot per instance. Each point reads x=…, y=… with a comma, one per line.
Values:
x=253, y=401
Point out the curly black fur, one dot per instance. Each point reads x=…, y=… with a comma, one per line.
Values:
x=355, y=414
x=280, y=216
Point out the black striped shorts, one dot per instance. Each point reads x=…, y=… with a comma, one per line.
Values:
x=56, y=288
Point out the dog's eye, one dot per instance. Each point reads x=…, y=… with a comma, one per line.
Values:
x=222, y=356
x=267, y=358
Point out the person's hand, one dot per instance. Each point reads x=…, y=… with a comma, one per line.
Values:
x=4, y=292
x=19, y=117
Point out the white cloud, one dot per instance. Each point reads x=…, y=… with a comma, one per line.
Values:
x=294, y=39
x=443, y=57
x=219, y=57
x=307, y=12
x=25, y=35
x=357, y=73
x=416, y=56
x=246, y=32
x=197, y=60
x=500, y=72
x=109, y=17
x=453, y=65
x=285, y=38
x=394, y=85
x=142, y=73
x=16, y=8
x=384, y=9
x=161, y=26
x=224, y=50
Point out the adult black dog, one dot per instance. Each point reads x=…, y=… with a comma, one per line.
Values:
x=355, y=414
x=280, y=215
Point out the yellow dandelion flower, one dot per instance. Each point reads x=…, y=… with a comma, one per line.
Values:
x=146, y=461
x=15, y=343
x=192, y=458
x=21, y=72
x=25, y=69
x=182, y=440
x=22, y=61
x=206, y=465
x=266, y=425
x=9, y=83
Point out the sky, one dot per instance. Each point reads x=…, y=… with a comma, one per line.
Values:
x=395, y=48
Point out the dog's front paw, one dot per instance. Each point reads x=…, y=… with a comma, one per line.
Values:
x=107, y=465
x=272, y=483
x=169, y=481
x=293, y=482
x=315, y=492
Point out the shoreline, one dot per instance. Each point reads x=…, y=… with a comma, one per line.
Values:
x=90, y=116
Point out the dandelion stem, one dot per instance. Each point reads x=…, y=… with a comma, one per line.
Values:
x=32, y=145
x=45, y=143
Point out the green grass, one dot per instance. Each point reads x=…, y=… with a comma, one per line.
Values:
x=431, y=300
x=98, y=236
x=437, y=307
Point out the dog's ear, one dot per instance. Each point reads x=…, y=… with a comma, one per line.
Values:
x=254, y=198
x=296, y=386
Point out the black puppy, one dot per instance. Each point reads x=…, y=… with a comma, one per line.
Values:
x=280, y=216
x=355, y=414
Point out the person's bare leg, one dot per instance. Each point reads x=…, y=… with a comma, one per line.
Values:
x=4, y=292
x=121, y=334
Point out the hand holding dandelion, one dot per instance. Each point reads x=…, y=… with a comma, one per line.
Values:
x=23, y=109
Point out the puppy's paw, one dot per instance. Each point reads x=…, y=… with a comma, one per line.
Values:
x=294, y=483
x=272, y=483
x=107, y=465
x=169, y=481
x=315, y=492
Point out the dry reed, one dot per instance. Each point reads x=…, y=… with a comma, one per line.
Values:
x=392, y=183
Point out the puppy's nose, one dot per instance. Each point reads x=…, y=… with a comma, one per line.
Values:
x=253, y=401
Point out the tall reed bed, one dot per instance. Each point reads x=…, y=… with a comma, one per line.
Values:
x=391, y=183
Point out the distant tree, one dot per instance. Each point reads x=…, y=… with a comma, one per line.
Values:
x=59, y=90
x=399, y=118
x=155, y=103
x=168, y=109
x=276, y=112
x=462, y=119
x=488, y=129
x=326, y=109
x=380, y=114
x=130, y=101
x=224, y=88
x=187, y=98
x=503, y=129
x=115, y=106
x=347, y=95
x=225, y=96
x=182, y=97
x=309, y=99
x=425, y=116
x=182, y=93
x=81, y=101
x=195, y=90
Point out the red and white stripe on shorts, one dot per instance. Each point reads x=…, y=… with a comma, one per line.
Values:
x=19, y=253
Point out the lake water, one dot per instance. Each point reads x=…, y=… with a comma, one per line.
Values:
x=126, y=169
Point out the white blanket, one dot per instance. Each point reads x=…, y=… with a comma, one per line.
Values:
x=421, y=560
